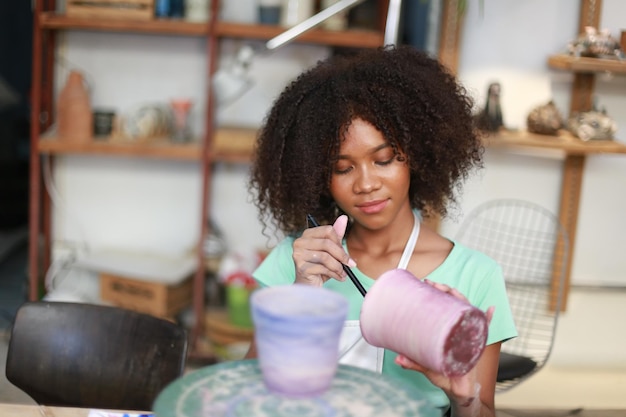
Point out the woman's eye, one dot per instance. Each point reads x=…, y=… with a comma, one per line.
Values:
x=386, y=161
x=341, y=170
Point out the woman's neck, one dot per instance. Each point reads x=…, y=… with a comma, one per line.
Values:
x=378, y=250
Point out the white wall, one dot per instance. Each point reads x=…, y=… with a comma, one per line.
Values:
x=154, y=205
x=147, y=205
x=131, y=203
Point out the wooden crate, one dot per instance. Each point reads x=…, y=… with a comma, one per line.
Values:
x=158, y=299
x=111, y=9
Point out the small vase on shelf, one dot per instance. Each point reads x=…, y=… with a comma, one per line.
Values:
x=74, y=116
x=181, y=133
x=296, y=11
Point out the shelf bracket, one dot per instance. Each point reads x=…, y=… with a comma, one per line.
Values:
x=573, y=169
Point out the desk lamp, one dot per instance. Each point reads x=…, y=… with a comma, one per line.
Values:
x=231, y=82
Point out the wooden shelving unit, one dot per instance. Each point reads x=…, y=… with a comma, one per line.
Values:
x=55, y=21
x=233, y=144
x=575, y=151
x=353, y=38
x=565, y=142
x=155, y=149
x=230, y=144
x=585, y=64
x=224, y=145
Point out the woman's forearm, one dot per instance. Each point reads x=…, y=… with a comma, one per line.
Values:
x=472, y=406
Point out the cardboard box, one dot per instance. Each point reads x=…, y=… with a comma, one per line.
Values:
x=152, y=283
x=111, y=9
x=156, y=298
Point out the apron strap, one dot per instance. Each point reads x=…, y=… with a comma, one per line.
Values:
x=410, y=244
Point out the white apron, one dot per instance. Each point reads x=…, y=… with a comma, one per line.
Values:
x=353, y=349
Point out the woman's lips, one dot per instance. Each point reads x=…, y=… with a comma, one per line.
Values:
x=372, y=207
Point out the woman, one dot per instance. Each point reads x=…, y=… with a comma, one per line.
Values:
x=368, y=144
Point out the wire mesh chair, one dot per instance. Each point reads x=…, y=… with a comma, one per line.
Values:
x=531, y=246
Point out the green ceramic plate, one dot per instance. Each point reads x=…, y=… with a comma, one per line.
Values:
x=236, y=389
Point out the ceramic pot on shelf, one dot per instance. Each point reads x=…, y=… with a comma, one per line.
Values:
x=74, y=115
x=336, y=22
x=296, y=11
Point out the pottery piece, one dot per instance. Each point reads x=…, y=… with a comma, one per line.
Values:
x=336, y=22
x=148, y=121
x=433, y=328
x=596, y=44
x=296, y=11
x=74, y=114
x=180, y=109
x=545, y=119
x=297, y=330
x=592, y=125
x=103, y=122
x=269, y=11
x=490, y=118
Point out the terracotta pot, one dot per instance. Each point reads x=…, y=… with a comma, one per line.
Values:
x=433, y=328
x=74, y=116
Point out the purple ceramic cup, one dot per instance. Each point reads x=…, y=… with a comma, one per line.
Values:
x=433, y=328
x=297, y=330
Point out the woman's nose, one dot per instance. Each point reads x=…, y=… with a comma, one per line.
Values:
x=366, y=181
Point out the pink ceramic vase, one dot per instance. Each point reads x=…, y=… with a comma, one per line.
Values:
x=433, y=328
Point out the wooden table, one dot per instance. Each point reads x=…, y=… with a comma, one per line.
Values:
x=23, y=410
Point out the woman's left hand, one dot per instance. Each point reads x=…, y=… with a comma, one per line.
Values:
x=460, y=389
x=464, y=390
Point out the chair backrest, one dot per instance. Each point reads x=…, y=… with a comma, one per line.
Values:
x=531, y=246
x=85, y=355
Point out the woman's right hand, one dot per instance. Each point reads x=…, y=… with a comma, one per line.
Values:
x=318, y=255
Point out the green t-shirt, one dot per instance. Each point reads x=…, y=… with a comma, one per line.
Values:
x=472, y=273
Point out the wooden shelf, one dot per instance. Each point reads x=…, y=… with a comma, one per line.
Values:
x=354, y=38
x=565, y=142
x=230, y=144
x=52, y=20
x=158, y=149
x=357, y=38
x=234, y=144
x=584, y=64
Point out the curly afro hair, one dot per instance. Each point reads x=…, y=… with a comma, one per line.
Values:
x=408, y=96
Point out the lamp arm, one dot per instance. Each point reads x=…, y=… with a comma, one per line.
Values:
x=312, y=21
x=229, y=84
x=392, y=25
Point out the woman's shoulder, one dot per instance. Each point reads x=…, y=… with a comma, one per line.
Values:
x=285, y=242
x=463, y=254
x=463, y=263
x=277, y=267
x=471, y=272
